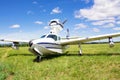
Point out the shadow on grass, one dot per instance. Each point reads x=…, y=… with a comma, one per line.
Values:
x=76, y=54
x=91, y=54
x=102, y=54
x=20, y=55
x=71, y=53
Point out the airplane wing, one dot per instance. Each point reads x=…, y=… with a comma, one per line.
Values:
x=87, y=39
x=16, y=41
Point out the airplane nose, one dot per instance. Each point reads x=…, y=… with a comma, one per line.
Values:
x=31, y=43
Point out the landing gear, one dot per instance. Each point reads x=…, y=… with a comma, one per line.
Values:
x=80, y=51
x=37, y=59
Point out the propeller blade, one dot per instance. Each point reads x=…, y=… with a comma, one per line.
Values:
x=64, y=21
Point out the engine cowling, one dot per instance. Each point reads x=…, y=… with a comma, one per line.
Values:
x=31, y=42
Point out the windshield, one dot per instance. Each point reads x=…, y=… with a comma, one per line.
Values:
x=43, y=36
x=53, y=37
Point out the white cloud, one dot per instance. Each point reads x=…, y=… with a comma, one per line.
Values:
x=116, y=28
x=104, y=13
x=118, y=22
x=102, y=22
x=35, y=2
x=78, y=26
x=102, y=9
x=38, y=22
x=18, y=36
x=86, y=1
x=118, y=18
x=15, y=26
x=30, y=12
x=23, y=35
x=44, y=10
x=46, y=27
x=56, y=11
x=96, y=30
x=109, y=25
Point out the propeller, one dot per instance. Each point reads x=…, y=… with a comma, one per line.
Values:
x=64, y=21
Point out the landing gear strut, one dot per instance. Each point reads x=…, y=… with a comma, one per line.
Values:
x=80, y=51
x=37, y=59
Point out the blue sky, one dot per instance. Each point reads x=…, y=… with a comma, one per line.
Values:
x=28, y=19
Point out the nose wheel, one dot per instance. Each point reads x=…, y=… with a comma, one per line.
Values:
x=37, y=59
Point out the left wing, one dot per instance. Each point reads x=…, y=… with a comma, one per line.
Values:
x=87, y=39
x=17, y=41
x=15, y=44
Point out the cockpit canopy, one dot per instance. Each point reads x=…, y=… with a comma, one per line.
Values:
x=55, y=37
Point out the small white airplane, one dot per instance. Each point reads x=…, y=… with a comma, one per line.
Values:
x=51, y=43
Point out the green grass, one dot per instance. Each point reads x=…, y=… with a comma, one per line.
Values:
x=98, y=62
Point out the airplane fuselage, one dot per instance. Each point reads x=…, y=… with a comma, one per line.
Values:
x=46, y=45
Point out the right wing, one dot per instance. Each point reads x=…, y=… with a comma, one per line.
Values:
x=87, y=39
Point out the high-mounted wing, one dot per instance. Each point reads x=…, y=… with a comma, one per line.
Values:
x=87, y=39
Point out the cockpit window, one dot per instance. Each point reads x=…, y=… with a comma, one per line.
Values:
x=53, y=37
x=43, y=36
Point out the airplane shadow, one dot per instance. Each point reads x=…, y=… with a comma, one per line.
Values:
x=71, y=53
x=76, y=54
x=24, y=54
x=91, y=54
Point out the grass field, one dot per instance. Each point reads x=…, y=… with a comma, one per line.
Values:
x=98, y=62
